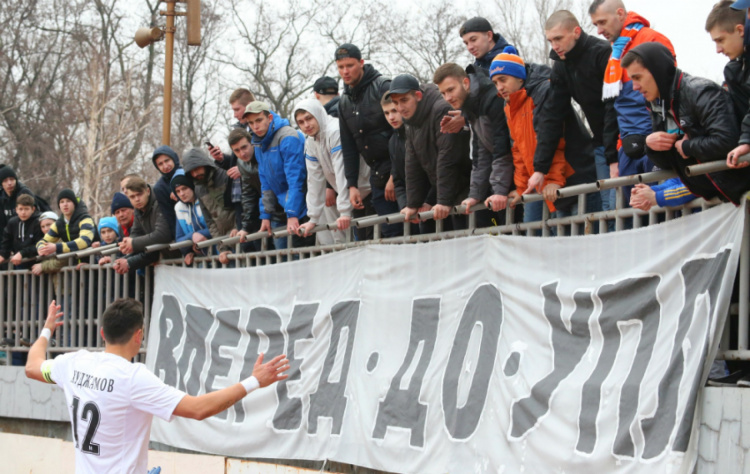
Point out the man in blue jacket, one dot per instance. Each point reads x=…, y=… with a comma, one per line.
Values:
x=280, y=152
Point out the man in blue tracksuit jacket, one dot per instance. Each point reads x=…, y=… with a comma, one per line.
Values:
x=280, y=152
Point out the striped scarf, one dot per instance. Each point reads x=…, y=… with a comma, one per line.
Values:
x=613, y=73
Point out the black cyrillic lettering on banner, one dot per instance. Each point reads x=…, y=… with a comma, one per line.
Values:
x=702, y=277
x=329, y=399
x=268, y=321
x=632, y=299
x=484, y=308
x=288, y=414
x=198, y=321
x=166, y=364
x=228, y=336
x=568, y=348
x=402, y=408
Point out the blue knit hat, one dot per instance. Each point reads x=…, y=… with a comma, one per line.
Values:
x=508, y=63
x=119, y=200
x=109, y=223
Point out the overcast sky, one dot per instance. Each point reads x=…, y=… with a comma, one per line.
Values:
x=683, y=21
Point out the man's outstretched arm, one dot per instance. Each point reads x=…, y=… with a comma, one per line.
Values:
x=38, y=351
x=209, y=404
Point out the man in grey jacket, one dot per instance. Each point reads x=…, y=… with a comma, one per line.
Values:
x=473, y=93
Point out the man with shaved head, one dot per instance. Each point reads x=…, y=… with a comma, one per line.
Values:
x=579, y=63
x=626, y=30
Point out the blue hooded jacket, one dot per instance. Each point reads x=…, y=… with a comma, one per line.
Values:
x=281, y=166
x=189, y=219
x=162, y=189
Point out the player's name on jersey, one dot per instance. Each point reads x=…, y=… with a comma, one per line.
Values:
x=85, y=380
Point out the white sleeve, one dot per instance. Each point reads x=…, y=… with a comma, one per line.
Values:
x=151, y=395
x=343, y=204
x=316, y=188
x=54, y=370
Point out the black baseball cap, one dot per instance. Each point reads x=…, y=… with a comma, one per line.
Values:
x=326, y=85
x=402, y=84
x=477, y=24
x=348, y=50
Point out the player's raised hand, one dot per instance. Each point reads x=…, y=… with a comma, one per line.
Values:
x=272, y=371
x=53, y=316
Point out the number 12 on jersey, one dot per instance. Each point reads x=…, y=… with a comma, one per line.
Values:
x=91, y=414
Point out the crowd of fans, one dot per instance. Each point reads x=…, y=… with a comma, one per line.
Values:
x=488, y=133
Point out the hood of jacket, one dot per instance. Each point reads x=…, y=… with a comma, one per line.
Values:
x=196, y=157
x=633, y=18
x=486, y=61
x=536, y=74
x=430, y=95
x=369, y=74
x=165, y=150
x=661, y=64
x=479, y=85
x=319, y=112
x=266, y=140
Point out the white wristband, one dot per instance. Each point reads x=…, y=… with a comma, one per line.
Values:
x=250, y=383
x=46, y=333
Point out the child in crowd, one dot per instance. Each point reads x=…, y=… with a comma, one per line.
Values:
x=21, y=233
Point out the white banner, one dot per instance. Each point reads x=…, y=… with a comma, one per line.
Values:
x=486, y=354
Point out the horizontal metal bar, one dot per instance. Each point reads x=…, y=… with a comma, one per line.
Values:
x=180, y=245
x=213, y=241
x=733, y=355
x=713, y=166
x=156, y=247
x=531, y=197
x=94, y=251
x=110, y=251
x=654, y=176
x=577, y=189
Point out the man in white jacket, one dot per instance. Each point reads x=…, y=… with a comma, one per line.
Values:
x=325, y=164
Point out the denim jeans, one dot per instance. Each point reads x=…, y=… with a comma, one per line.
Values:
x=593, y=204
x=602, y=172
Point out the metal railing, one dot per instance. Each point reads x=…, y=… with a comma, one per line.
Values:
x=85, y=289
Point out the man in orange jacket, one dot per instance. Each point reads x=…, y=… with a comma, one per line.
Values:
x=525, y=88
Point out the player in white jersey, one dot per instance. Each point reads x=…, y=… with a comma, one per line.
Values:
x=112, y=400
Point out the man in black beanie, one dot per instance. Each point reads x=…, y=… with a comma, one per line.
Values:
x=693, y=122
x=481, y=41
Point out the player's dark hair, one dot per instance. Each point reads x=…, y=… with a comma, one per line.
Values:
x=121, y=320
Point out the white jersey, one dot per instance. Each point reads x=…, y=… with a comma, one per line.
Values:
x=111, y=403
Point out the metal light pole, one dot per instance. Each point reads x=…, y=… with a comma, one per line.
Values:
x=146, y=36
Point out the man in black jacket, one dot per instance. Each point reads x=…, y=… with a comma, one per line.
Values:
x=727, y=29
x=438, y=166
x=364, y=131
x=473, y=94
x=240, y=142
x=693, y=122
x=150, y=228
x=579, y=64
x=238, y=101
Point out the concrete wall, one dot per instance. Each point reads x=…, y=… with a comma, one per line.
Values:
x=724, y=442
